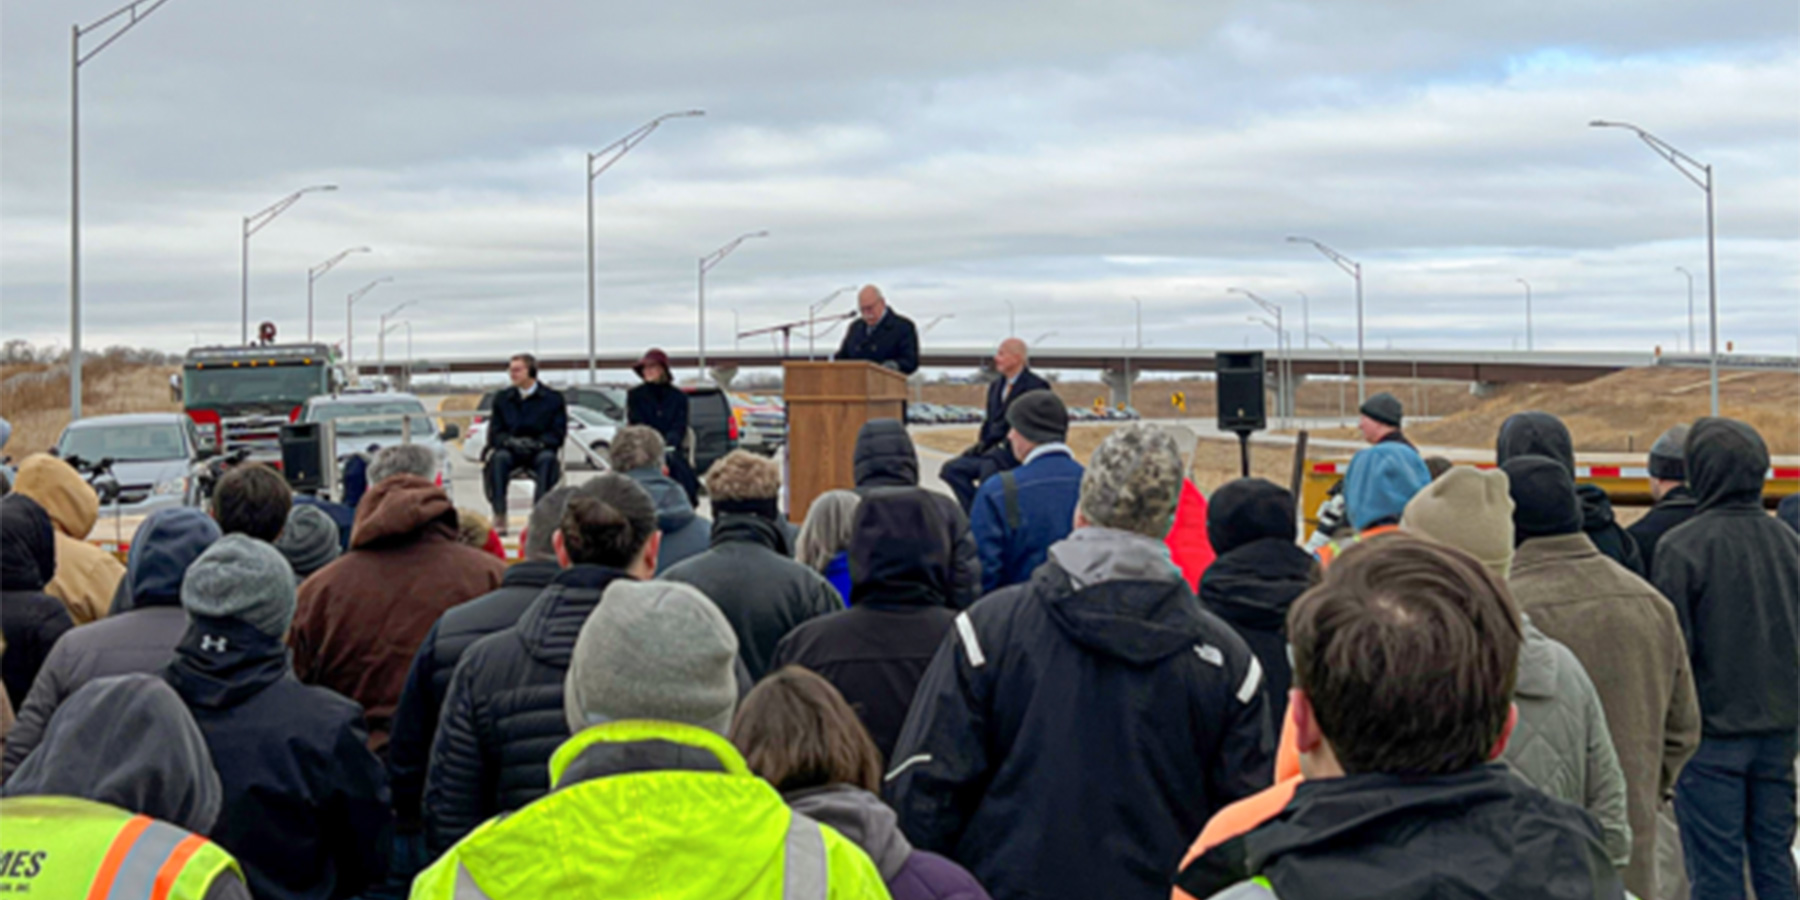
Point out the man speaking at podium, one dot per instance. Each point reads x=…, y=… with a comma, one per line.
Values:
x=880, y=335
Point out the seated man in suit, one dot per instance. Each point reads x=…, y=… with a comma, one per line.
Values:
x=526, y=430
x=991, y=453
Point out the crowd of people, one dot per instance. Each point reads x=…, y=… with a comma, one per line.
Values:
x=1070, y=680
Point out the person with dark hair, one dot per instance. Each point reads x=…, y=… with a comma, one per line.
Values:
x=1675, y=504
x=30, y=619
x=659, y=405
x=86, y=577
x=797, y=733
x=1733, y=575
x=880, y=335
x=1018, y=513
x=254, y=500
x=884, y=458
x=140, y=636
x=1097, y=700
x=992, y=452
x=499, y=726
x=638, y=453
x=1626, y=635
x=1258, y=574
x=750, y=571
x=362, y=618
x=1381, y=416
x=1542, y=434
x=876, y=651
x=1404, y=665
x=526, y=430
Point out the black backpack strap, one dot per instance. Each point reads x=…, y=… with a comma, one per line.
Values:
x=1009, y=488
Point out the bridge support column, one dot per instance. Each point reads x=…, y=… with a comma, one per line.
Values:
x=1118, y=385
x=1483, y=389
x=722, y=375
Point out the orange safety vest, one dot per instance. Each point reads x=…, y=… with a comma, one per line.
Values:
x=1330, y=551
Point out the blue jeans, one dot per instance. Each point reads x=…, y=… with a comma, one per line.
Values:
x=408, y=858
x=1735, y=804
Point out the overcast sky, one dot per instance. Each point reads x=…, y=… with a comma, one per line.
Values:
x=1065, y=156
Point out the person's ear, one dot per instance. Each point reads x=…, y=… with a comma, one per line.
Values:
x=1307, y=736
x=562, y=553
x=646, y=565
x=1080, y=520
x=1512, y=721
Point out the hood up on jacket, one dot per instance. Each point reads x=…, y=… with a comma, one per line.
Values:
x=27, y=545
x=1381, y=480
x=1120, y=595
x=400, y=509
x=166, y=545
x=57, y=487
x=130, y=742
x=1254, y=585
x=900, y=551
x=750, y=528
x=1247, y=510
x=859, y=816
x=1535, y=434
x=1726, y=463
x=673, y=510
x=885, y=456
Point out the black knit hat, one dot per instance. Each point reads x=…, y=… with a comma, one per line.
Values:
x=1384, y=408
x=1544, y=500
x=1249, y=509
x=1039, y=416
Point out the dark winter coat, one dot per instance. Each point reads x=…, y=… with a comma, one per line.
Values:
x=885, y=458
x=756, y=583
x=994, y=427
x=1733, y=574
x=306, y=804
x=1789, y=511
x=360, y=619
x=861, y=816
x=685, y=533
x=1046, y=491
x=893, y=342
x=1479, y=833
x=30, y=619
x=876, y=651
x=428, y=681
x=542, y=417
x=1251, y=587
x=503, y=715
x=1542, y=434
x=1676, y=506
x=1073, y=732
x=662, y=407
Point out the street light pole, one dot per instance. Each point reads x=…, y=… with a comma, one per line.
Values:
x=1280, y=379
x=381, y=338
x=1527, y=285
x=812, y=315
x=606, y=156
x=1690, y=280
x=254, y=223
x=1012, y=323
x=1341, y=379
x=1687, y=165
x=1354, y=270
x=1284, y=376
x=1140, y=321
x=314, y=274
x=350, y=321
x=75, y=60
x=1305, y=321
x=707, y=263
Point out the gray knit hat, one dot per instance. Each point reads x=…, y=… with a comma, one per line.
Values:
x=1384, y=408
x=653, y=650
x=240, y=577
x=309, y=540
x=1133, y=481
x=1039, y=416
x=1668, y=456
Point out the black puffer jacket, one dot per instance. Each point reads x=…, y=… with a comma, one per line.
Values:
x=503, y=713
x=1251, y=587
x=428, y=682
x=32, y=620
x=1542, y=434
x=1733, y=573
x=885, y=458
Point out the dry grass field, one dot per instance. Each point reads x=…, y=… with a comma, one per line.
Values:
x=1152, y=397
x=35, y=397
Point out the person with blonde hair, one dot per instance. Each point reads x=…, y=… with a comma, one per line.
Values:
x=824, y=543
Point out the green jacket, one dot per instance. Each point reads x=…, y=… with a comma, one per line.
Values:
x=658, y=811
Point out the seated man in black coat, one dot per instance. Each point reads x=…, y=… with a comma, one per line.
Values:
x=881, y=336
x=526, y=430
x=992, y=454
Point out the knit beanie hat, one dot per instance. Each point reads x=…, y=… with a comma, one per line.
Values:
x=1381, y=480
x=1544, y=499
x=1133, y=481
x=1249, y=509
x=1535, y=433
x=653, y=650
x=1039, y=416
x=1668, y=456
x=1469, y=509
x=309, y=540
x=240, y=577
x=1384, y=408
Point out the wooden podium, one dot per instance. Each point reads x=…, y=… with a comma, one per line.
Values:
x=827, y=403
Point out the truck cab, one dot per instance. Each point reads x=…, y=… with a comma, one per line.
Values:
x=239, y=397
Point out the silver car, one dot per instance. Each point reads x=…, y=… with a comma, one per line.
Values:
x=154, y=457
x=366, y=423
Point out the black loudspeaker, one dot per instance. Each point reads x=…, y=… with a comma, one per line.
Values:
x=1241, y=391
x=304, y=455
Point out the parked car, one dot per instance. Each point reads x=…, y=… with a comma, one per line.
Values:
x=155, y=457
x=588, y=428
x=714, y=428
x=762, y=422
x=366, y=423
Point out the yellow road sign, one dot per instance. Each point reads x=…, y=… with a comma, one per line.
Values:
x=1179, y=399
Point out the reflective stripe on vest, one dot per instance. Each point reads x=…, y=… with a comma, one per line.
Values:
x=68, y=847
x=152, y=860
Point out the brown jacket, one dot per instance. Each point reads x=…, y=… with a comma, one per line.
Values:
x=1627, y=637
x=86, y=576
x=361, y=618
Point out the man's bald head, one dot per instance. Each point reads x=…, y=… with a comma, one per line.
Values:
x=1011, y=357
x=871, y=305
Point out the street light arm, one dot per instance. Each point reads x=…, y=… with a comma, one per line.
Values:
x=318, y=271
x=1350, y=266
x=255, y=223
x=712, y=259
x=398, y=308
x=1681, y=161
x=137, y=15
x=616, y=150
x=819, y=307
x=1266, y=305
x=359, y=292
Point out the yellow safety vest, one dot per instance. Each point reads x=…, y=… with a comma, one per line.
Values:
x=66, y=848
x=1330, y=552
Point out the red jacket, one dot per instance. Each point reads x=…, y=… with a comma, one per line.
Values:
x=1187, y=541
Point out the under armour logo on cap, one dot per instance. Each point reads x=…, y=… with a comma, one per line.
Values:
x=212, y=643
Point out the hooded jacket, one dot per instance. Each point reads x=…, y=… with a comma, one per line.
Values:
x=1073, y=731
x=1627, y=638
x=1733, y=574
x=1542, y=434
x=876, y=651
x=685, y=533
x=503, y=712
x=1479, y=833
x=360, y=620
x=762, y=590
x=885, y=458
x=141, y=638
x=1013, y=539
x=1381, y=479
x=306, y=804
x=1675, y=507
x=868, y=823
x=86, y=575
x=31, y=620
x=1251, y=587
